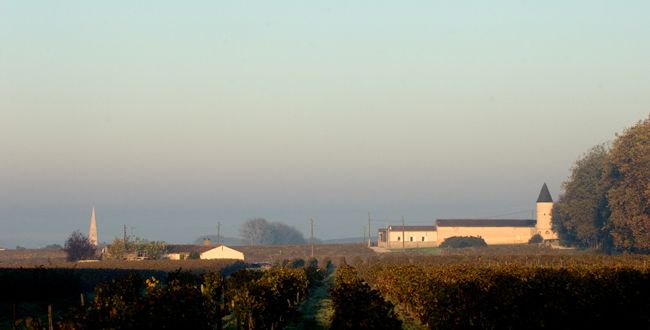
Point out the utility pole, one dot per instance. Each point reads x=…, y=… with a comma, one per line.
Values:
x=363, y=241
x=369, y=232
x=312, y=237
x=403, y=238
x=125, y=237
x=218, y=233
x=387, y=235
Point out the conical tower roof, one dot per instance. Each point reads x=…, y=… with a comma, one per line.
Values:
x=544, y=195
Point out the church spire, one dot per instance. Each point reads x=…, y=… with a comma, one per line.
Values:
x=544, y=195
x=92, y=234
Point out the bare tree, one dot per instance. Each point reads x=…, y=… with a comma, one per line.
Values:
x=256, y=231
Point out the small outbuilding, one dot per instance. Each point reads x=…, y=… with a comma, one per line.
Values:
x=184, y=251
x=222, y=252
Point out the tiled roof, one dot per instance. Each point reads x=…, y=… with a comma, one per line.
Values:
x=544, y=195
x=187, y=248
x=485, y=223
x=411, y=228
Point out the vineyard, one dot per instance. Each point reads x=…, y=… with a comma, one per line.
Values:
x=234, y=297
x=514, y=292
x=382, y=291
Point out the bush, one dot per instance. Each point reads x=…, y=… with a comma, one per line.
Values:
x=357, y=306
x=511, y=296
x=463, y=242
x=536, y=239
x=266, y=300
x=187, y=301
x=78, y=247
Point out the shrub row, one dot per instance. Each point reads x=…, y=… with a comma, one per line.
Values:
x=357, y=306
x=49, y=285
x=186, y=301
x=456, y=242
x=256, y=299
x=266, y=300
x=513, y=296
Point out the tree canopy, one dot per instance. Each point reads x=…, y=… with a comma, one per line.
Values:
x=606, y=200
x=135, y=246
x=629, y=195
x=259, y=231
x=581, y=213
x=78, y=247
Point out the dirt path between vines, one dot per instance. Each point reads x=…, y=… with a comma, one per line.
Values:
x=317, y=311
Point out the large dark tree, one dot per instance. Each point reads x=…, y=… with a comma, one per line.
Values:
x=629, y=195
x=581, y=214
x=284, y=234
x=258, y=231
x=78, y=247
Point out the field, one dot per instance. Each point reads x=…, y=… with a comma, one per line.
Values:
x=495, y=287
x=56, y=258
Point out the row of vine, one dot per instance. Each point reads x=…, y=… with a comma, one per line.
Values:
x=247, y=298
x=510, y=296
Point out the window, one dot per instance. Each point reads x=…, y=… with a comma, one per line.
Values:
x=411, y=238
x=422, y=238
x=399, y=238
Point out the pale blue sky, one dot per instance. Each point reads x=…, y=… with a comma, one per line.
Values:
x=171, y=116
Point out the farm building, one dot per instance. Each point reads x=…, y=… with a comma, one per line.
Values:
x=182, y=252
x=493, y=231
x=408, y=236
x=222, y=252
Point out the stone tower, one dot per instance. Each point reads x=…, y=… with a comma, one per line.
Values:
x=544, y=216
x=92, y=233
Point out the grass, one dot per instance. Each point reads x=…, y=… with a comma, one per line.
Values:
x=316, y=312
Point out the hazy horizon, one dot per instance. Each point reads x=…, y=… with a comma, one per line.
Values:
x=171, y=117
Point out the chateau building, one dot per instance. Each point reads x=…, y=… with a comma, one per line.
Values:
x=493, y=231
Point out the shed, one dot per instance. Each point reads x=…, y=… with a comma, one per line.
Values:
x=222, y=252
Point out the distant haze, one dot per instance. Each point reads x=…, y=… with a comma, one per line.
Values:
x=171, y=117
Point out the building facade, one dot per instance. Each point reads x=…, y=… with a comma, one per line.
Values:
x=493, y=231
x=222, y=252
x=407, y=236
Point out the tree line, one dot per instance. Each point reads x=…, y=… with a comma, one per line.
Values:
x=606, y=199
x=259, y=231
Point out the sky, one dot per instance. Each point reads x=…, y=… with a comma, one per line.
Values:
x=171, y=116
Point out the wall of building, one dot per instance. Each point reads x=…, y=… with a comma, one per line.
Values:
x=420, y=239
x=413, y=236
x=491, y=235
x=172, y=256
x=222, y=252
x=408, y=244
x=544, y=218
